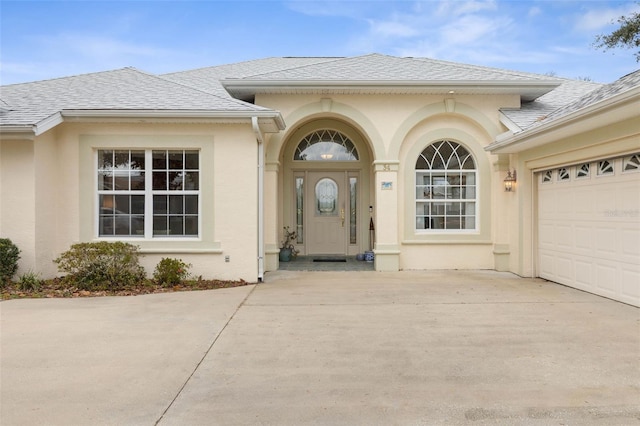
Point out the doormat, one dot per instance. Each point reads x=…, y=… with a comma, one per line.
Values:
x=330, y=259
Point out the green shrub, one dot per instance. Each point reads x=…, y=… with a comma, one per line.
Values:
x=170, y=272
x=9, y=256
x=29, y=281
x=101, y=265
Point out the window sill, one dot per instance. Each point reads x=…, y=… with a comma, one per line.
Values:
x=456, y=240
x=169, y=250
x=171, y=245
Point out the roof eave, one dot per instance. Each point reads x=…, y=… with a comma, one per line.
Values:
x=508, y=123
x=272, y=120
x=18, y=132
x=565, y=126
x=528, y=90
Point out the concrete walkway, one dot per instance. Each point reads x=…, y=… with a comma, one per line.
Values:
x=326, y=348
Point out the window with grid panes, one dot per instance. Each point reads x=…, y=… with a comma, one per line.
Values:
x=148, y=193
x=446, y=188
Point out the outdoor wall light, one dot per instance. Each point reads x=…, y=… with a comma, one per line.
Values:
x=510, y=181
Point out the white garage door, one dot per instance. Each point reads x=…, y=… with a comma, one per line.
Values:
x=589, y=227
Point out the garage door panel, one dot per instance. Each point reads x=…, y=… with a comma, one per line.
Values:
x=545, y=237
x=547, y=205
x=628, y=200
x=564, y=268
x=605, y=194
x=546, y=266
x=630, y=289
x=589, y=233
x=606, y=244
x=584, y=239
x=584, y=204
x=564, y=236
x=630, y=243
x=606, y=279
x=584, y=275
x=565, y=204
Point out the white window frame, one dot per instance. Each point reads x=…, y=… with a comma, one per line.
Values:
x=326, y=145
x=581, y=173
x=564, y=174
x=629, y=159
x=423, y=194
x=608, y=171
x=149, y=193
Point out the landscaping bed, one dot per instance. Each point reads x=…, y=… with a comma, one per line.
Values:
x=100, y=268
x=59, y=288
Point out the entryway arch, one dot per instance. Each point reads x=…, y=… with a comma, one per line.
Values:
x=326, y=187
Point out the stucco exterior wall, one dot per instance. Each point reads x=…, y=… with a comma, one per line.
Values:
x=17, y=190
x=47, y=192
x=397, y=128
x=58, y=182
x=447, y=256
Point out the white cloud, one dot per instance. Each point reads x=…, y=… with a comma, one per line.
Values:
x=596, y=19
x=99, y=51
x=18, y=68
x=100, y=47
x=471, y=32
x=534, y=11
x=19, y=72
x=458, y=8
x=473, y=29
x=351, y=9
x=393, y=28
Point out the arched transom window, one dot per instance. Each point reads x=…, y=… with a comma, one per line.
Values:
x=326, y=145
x=446, y=191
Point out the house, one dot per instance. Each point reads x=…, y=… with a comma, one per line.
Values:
x=210, y=165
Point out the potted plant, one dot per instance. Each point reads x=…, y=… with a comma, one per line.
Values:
x=287, y=248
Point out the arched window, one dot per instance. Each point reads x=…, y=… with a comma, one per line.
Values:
x=446, y=191
x=326, y=145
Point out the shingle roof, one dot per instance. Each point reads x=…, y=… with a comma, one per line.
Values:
x=202, y=89
x=123, y=89
x=3, y=105
x=628, y=82
x=570, y=97
x=377, y=67
x=622, y=92
x=531, y=112
x=208, y=79
x=382, y=74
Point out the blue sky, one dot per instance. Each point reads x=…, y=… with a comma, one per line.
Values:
x=48, y=39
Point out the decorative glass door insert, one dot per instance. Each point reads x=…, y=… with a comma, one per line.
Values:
x=326, y=197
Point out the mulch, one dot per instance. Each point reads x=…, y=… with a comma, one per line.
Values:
x=57, y=288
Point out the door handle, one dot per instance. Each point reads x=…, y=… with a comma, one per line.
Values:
x=342, y=217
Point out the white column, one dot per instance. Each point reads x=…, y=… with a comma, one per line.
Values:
x=387, y=248
x=271, y=216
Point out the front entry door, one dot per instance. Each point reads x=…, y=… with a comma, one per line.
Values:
x=327, y=230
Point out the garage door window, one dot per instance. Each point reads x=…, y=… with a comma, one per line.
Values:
x=563, y=174
x=605, y=167
x=446, y=188
x=582, y=171
x=547, y=176
x=631, y=163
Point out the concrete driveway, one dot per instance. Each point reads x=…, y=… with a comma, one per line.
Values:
x=334, y=348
